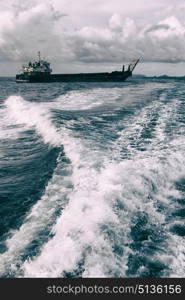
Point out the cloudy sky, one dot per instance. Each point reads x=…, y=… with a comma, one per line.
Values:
x=94, y=35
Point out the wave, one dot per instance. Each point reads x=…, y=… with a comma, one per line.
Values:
x=91, y=225
x=28, y=115
x=115, y=204
x=102, y=97
x=38, y=220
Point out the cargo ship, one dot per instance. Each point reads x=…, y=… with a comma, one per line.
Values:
x=40, y=71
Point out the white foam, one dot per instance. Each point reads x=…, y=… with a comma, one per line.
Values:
x=93, y=98
x=40, y=216
x=91, y=205
x=99, y=180
x=33, y=115
x=78, y=226
x=7, y=129
x=165, y=159
x=133, y=128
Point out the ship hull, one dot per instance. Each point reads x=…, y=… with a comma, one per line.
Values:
x=82, y=77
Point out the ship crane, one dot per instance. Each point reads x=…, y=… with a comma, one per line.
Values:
x=133, y=64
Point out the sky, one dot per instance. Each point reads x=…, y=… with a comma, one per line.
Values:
x=94, y=35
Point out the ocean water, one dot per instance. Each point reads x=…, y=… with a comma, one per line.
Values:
x=92, y=179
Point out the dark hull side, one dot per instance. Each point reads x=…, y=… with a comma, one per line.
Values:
x=83, y=77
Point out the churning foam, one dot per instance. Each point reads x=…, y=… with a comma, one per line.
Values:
x=78, y=226
x=80, y=232
x=93, y=98
x=39, y=218
x=33, y=115
x=90, y=225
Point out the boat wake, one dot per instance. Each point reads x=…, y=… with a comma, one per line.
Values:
x=113, y=205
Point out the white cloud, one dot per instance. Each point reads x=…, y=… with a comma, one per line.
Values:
x=23, y=31
x=115, y=22
x=124, y=39
x=94, y=31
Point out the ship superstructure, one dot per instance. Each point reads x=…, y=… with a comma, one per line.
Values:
x=40, y=69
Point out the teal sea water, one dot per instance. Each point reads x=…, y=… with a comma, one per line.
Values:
x=92, y=179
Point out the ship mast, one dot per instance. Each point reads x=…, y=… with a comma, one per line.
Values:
x=39, y=55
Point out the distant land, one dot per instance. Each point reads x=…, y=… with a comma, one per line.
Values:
x=160, y=76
